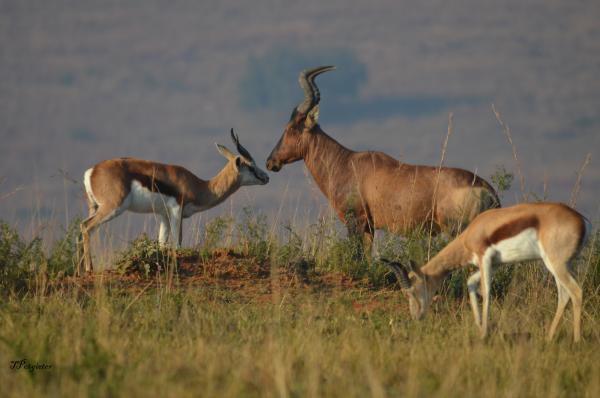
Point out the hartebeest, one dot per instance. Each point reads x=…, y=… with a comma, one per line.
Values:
x=169, y=191
x=552, y=232
x=371, y=190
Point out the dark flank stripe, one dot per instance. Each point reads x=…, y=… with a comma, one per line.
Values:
x=513, y=228
x=154, y=185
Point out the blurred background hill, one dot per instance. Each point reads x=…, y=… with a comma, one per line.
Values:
x=82, y=81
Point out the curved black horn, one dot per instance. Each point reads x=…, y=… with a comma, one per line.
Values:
x=400, y=272
x=242, y=151
x=306, y=79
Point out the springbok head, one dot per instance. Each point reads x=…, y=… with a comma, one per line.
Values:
x=248, y=171
x=414, y=286
x=305, y=116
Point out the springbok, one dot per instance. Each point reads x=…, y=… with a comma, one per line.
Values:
x=169, y=191
x=552, y=232
x=371, y=190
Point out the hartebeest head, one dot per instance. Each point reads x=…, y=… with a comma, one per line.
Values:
x=290, y=146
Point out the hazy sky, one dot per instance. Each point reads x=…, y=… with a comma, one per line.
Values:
x=83, y=81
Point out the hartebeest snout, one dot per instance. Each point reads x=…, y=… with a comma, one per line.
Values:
x=169, y=191
x=371, y=190
x=552, y=232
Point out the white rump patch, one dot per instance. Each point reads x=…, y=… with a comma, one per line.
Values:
x=87, y=182
x=521, y=247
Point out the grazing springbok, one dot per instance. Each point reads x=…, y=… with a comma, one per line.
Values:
x=169, y=191
x=552, y=232
x=371, y=190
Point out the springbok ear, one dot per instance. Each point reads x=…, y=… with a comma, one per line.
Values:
x=227, y=154
x=312, y=118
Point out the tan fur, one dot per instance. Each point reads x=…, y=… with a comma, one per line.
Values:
x=181, y=192
x=560, y=232
x=379, y=191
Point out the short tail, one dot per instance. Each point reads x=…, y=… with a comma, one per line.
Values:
x=588, y=228
x=490, y=199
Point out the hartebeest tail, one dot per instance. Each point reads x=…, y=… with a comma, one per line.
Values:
x=552, y=232
x=371, y=190
x=169, y=191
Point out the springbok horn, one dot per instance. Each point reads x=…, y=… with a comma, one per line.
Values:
x=312, y=96
x=242, y=151
x=400, y=273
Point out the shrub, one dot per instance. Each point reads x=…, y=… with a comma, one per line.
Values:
x=502, y=179
x=62, y=259
x=291, y=255
x=214, y=233
x=145, y=257
x=18, y=259
x=252, y=234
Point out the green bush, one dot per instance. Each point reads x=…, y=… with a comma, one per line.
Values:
x=291, y=255
x=214, y=233
x=21, y=261
x=145, y=257
x=18, y=259
x=252, y=234
x=62, y=259
x=502, y=179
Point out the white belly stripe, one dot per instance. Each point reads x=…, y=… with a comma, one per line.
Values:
x=523, y=246
x=142, y=200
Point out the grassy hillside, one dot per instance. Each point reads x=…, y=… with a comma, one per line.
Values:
x=247, y=314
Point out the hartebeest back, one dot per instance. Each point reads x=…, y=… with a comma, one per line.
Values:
x=371, y=190
x=552, y=232
x=172, y=192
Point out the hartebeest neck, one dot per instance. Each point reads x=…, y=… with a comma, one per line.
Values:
x=221, y=186
x=326, y=159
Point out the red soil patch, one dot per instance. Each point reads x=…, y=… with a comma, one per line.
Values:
x=225, y=269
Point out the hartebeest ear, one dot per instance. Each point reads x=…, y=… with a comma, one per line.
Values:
x=312, y=118
x=225, y=152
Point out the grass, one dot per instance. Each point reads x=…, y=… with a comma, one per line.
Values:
x=289, y=317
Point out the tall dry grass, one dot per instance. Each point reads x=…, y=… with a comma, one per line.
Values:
x=214, y=340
